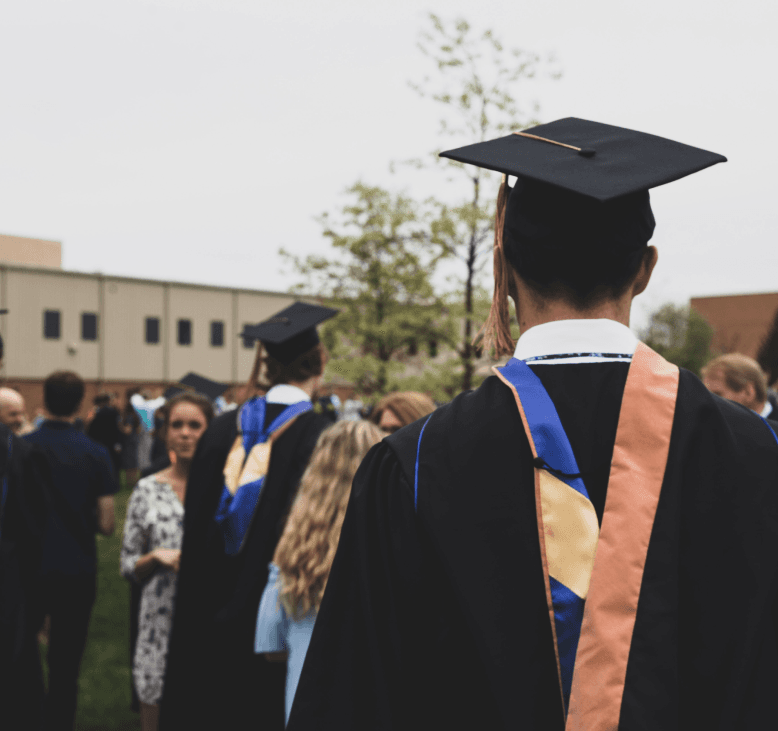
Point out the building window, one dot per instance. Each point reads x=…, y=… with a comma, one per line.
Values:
x=217, y=333
x=51, y=324
x=184, y=332
x=88, y=326
x=152, y=330
x=248, y=343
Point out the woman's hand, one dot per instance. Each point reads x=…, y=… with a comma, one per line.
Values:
x=169, y=557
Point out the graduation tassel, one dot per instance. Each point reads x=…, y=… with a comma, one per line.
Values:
x=253, y=382
x=496, y=332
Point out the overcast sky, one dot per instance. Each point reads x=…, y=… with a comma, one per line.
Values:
x=190, y=139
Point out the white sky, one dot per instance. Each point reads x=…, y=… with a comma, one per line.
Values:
x=190, y=139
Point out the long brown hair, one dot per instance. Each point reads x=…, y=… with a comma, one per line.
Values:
x=496, y=332
x=309, y=541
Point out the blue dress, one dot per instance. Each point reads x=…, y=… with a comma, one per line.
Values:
x=278, y=632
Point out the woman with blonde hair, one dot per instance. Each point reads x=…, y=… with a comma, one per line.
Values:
x=303, y=558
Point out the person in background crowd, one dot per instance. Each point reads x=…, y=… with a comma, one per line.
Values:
x=398, y=409
x=159, y=453
x=352, y=410
x=146, y=404
x=12, y=412
x=302, y=561
x=104, y=428
x=738, y=378
x=24, y=485
x=83, y=485
x=40, y=417
x=130, y=425
x=329, y=406
x=232, y=524
x=158, y=445
x=151, y=547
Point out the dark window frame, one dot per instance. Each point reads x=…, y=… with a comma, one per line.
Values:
x=94, y=327
x=151, y=320
x=184, y=332
x=217, y=333
x=52, y=324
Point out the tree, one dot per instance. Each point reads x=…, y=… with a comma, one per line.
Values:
x=380, y=278
x=681, y=335
x=476, y=74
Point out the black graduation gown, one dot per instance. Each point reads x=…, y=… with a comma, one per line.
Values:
x=435, y=614
x=21, y=548
x=213, y=678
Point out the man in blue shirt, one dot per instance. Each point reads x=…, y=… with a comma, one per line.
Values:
x=82, y=504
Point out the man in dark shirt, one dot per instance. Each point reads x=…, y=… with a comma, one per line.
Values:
x=82, y=504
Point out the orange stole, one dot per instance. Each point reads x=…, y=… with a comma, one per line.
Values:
x=636, y=477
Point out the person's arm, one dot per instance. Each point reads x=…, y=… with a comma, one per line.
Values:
x=145, y=565
x=136, y=561
x=105, y=515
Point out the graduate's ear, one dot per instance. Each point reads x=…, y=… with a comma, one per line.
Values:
x=650, y=258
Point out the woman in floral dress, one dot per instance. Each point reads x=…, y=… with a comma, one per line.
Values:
x=151, y=547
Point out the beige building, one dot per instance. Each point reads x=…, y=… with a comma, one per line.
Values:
x=118, y=332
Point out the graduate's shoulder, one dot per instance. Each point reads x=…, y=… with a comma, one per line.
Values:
x=311, y=423
x=460, y=429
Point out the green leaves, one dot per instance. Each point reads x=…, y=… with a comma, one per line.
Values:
x=383, y=254
x=681, y=335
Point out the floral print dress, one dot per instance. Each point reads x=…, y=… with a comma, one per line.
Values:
x=155, y=519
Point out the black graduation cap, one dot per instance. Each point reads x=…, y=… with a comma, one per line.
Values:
x=193, y=383
x=582, y=186
x=595, y=160
x=291, y=332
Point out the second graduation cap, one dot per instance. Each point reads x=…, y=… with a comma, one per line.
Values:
x=290, y=333
x=194, y=383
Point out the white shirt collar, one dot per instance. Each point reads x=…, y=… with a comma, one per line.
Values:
x=767, y=410
x=578, y=341
x=286, y=394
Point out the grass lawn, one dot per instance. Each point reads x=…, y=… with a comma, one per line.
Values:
x=104, y=695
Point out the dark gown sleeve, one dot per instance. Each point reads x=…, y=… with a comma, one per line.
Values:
x=360, y=672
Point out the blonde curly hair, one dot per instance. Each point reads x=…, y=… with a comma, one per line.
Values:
x=307, y=547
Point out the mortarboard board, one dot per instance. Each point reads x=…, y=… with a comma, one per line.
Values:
x=194, y=383
x=583, y=184
x=591, y=159
x=291, y=332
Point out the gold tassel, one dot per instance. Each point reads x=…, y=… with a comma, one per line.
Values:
x=496, y=332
